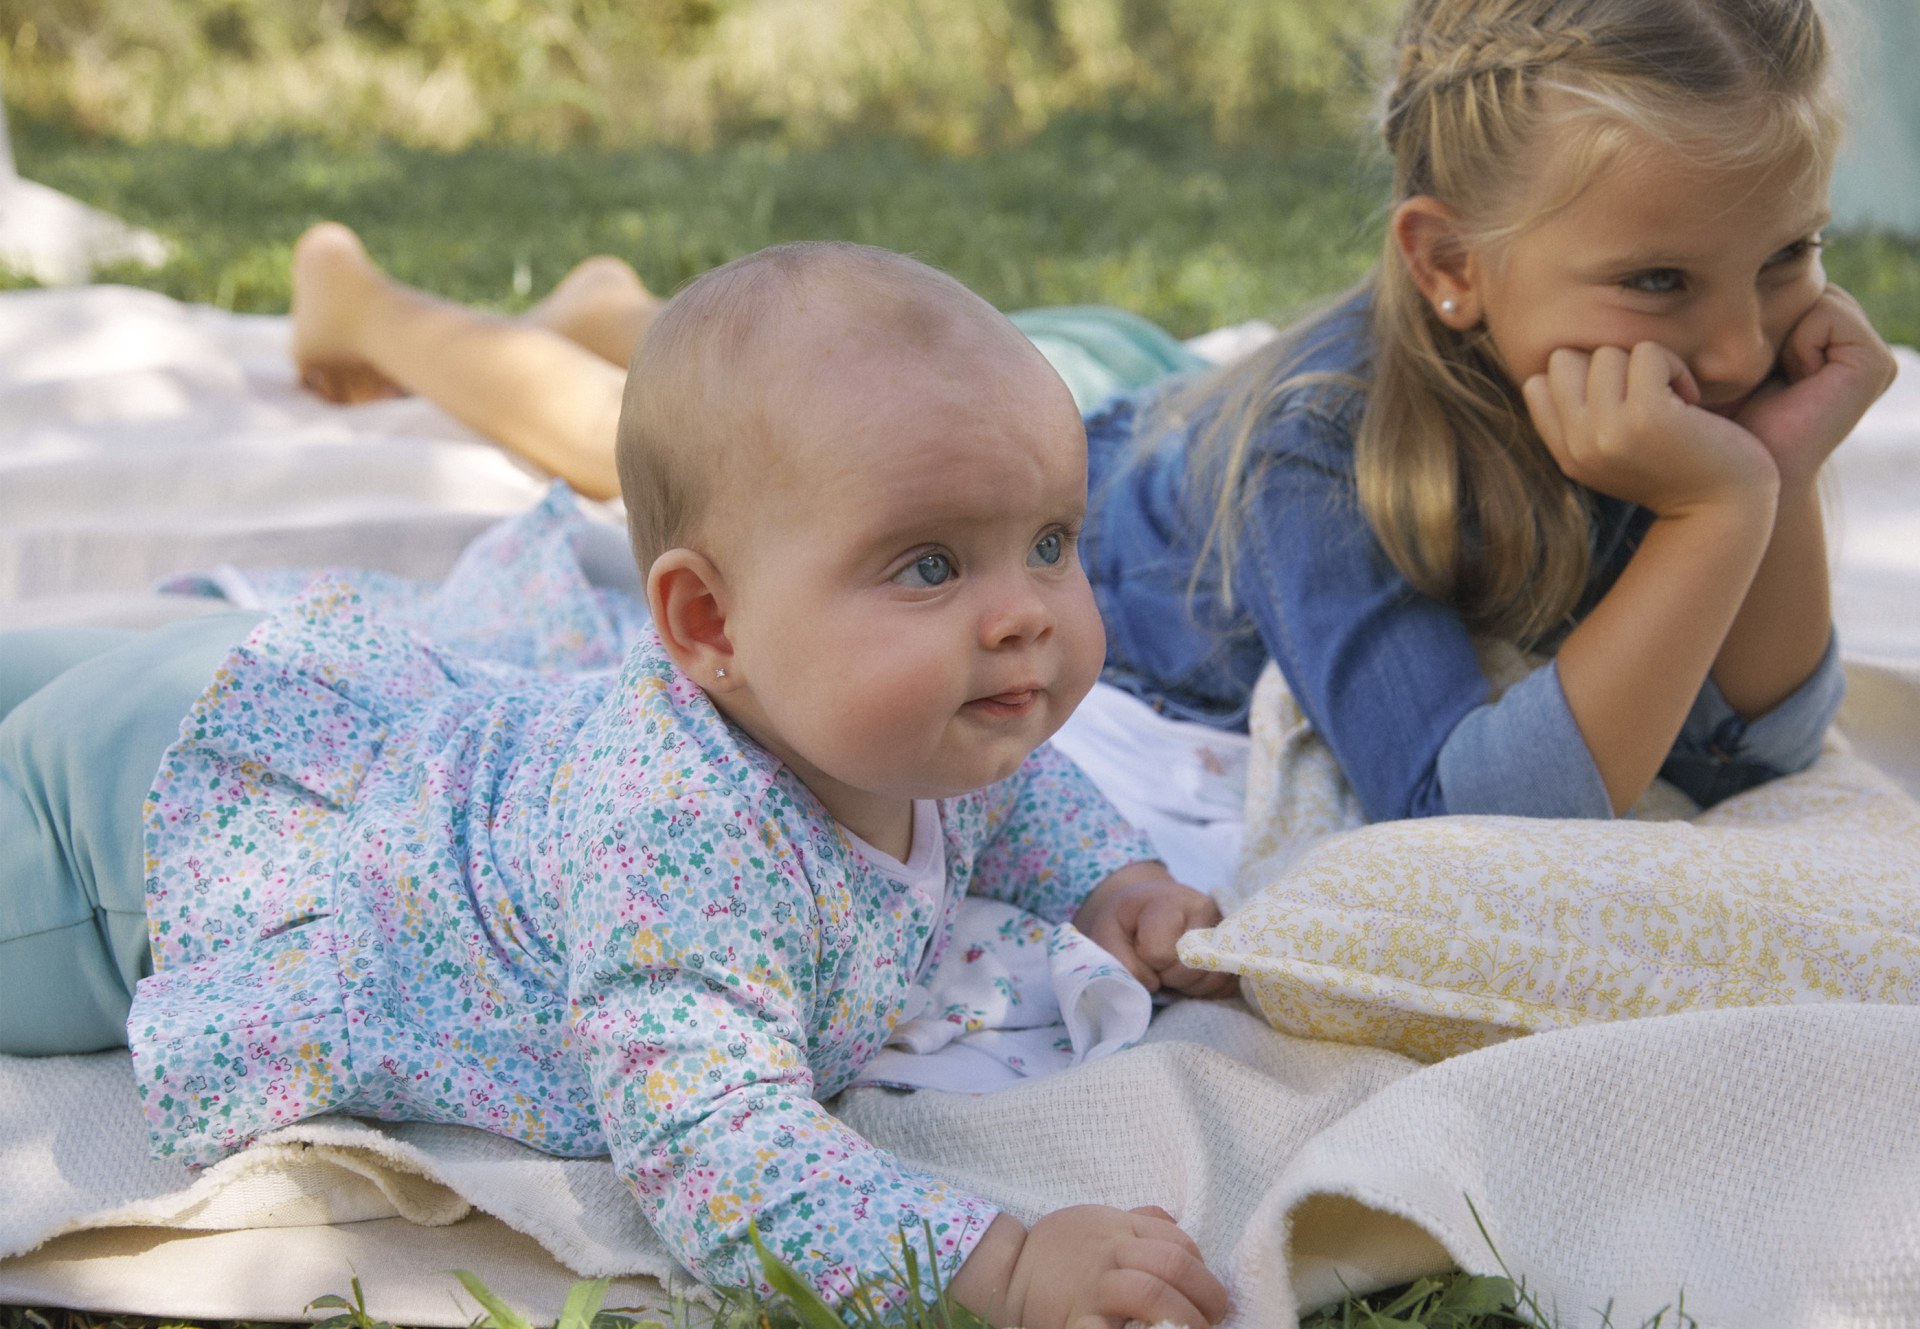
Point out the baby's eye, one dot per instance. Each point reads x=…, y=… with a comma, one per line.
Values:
x=927, y=570
x=1657, y=281
x=1047, y=549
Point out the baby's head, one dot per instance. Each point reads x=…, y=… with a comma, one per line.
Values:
x=854, y=489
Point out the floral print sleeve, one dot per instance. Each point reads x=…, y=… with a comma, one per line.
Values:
x=1053, y=837
x=727, y=969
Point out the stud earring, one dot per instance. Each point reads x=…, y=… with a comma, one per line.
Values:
x=719, y=673
x=1447, y=306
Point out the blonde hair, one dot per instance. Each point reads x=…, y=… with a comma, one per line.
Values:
x=703, y=399
x=1462, y=494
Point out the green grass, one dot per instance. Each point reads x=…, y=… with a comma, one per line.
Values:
x=1140, y=212
x=1148, y=212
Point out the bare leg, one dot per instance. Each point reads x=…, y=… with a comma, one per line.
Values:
x=603, y=305
x=359, y=334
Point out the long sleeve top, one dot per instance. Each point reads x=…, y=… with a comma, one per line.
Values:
x=577, y=909
x=1389, y=677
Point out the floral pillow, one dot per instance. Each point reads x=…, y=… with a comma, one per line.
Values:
x=1435, y=937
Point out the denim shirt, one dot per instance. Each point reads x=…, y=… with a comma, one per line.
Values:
x=1386, y=675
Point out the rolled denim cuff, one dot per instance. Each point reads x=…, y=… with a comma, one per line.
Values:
x=1522, y=756
x=1720, y=753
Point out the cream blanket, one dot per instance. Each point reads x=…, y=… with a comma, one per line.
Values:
x=1762, y=1164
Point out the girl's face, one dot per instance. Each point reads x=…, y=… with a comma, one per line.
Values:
x=1715, y=265
x=909, y=616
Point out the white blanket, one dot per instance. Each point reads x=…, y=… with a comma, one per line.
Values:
x=1764, y=1164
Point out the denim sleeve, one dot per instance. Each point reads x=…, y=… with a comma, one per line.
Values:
x=1719, y=753
x=1523, y=756
x=1383, y=673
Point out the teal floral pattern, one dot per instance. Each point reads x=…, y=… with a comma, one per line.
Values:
x=568, y=905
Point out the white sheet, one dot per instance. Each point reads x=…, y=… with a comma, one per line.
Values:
x=1764, y=1163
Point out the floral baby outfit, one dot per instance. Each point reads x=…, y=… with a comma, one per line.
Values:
x=573, y=908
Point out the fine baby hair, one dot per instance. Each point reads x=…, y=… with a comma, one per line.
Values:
x=1487, y=97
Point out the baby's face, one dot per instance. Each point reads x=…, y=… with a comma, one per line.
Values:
x=909, y=617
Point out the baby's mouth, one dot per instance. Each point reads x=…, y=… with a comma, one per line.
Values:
x=1006, y=705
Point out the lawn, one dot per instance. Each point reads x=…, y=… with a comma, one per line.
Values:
x=1149, y=212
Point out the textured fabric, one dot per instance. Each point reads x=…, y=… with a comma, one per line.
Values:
x=567, y=906
x=1100, y=350
x=75, y=759
x=1760, y=1162
x=1388, y=676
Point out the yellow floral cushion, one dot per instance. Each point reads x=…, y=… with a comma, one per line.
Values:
x=1436, y=937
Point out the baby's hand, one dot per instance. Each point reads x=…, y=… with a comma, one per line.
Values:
x=1139, y=914
x=1627, y=423
x=1091, y=1267
x=1834, y=366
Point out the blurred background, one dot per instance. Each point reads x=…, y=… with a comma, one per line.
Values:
x=1198, y=161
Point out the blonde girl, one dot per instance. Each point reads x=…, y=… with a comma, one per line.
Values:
x=1580, y=406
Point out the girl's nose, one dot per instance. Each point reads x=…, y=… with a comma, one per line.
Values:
x=1737, y=351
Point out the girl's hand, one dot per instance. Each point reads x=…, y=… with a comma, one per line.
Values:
x=1138, y=916
x=1832, y=368
x=1628, y=424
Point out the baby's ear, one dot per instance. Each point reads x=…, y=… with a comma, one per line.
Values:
x=688, y=599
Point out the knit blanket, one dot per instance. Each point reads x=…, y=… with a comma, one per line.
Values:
x=1758, y=1165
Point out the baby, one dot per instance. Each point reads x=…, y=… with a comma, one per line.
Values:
x=661, y=913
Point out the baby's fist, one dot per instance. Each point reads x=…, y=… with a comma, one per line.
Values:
x=1139, y=914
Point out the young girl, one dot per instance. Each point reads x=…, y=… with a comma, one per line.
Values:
x=1580, y=407
x=659, y=912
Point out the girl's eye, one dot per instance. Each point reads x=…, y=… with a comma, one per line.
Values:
x=1047, y=550
x=1799, y=249
x=1658, y=281
x=927, y=570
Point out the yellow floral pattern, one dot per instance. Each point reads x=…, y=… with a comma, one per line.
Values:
x=1436, y=937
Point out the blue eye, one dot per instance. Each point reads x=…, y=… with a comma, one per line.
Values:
x=927, y=570
x=1659, y=281
x=1047, y=550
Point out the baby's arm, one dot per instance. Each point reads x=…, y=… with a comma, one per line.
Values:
x=696, y=986
x=1059, y=849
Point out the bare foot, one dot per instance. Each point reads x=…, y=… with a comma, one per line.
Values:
x=601, y=305
x=334, y=282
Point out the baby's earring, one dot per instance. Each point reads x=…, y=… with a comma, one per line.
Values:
x=719, y=673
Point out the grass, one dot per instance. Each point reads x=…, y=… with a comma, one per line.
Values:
x=1150, y=212
x=1142, y=212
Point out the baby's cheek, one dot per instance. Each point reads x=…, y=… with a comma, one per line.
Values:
x=1083, y=642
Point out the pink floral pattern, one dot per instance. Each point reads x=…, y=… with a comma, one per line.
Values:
x=566, y=905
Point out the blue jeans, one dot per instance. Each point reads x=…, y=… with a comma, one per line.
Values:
x=85, y=715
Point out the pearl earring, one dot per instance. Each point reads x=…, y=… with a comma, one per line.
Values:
x=1447, y=306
